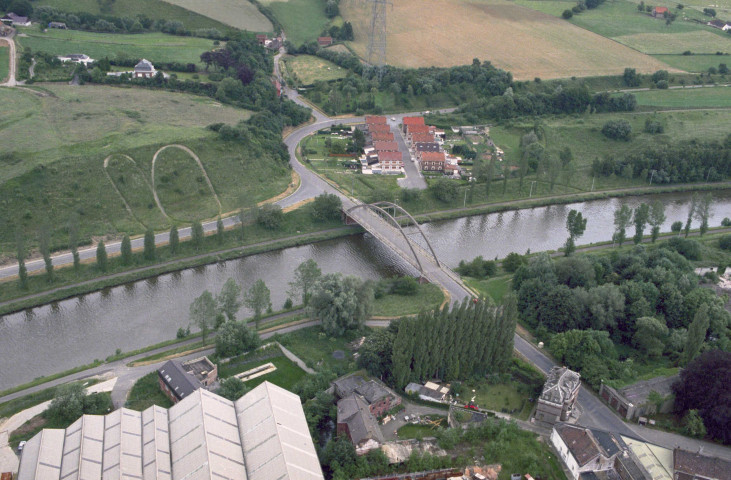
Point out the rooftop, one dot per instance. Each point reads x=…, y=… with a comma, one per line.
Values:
x=199, y=367
x=427, y=147
x=382, y=136
x=372, y=119
x=180, y=382
x=560, y=385
x=345, y=386
x=413, y=121
x=386, y=146
x=432, y=156
x=637, y=393
x=353, y=411
x=418, y=128
x=378, y=127
x=585, y=444
x=422, y=137
x=261, y=436
x=700, y=465
x=372, y=391
x=390, y=156
x=144, y=66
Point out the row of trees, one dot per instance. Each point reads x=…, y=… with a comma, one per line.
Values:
x=471, y=339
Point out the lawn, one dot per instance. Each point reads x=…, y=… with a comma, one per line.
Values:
x=308, y=69
x=156, y=47
x=302, y=20
x=153, y=9
x=59, y=170
x=428, y=297
x=694, y=63
x=699, y=41
x=494, y=288
x=526, y=42
x=239, y=14
x=413, y=430
x=286, y=375
x=146, y=393
x=4, y=62
x=501, y=397
x=686, y=98
x=316, y=348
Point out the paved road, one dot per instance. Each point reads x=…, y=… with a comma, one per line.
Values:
x=414, y=178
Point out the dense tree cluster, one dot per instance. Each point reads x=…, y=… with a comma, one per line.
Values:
x=470, y=339
x=341, y=303
x=704, y=386
x=682, y=162
x=648, y=299
x=477, y=268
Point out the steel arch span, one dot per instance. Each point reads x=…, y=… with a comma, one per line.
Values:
x=378, y=208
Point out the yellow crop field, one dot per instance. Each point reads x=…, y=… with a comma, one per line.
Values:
x=237, y=13
x=525, y=42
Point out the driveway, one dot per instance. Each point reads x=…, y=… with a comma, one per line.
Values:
x=389, y=430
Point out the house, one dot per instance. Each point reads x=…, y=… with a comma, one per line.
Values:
x=660, y=12
x=378, y=128
x=427, y=147
x=431, y=161
x=409, y=121
x=422, y=138
x=356, y=422
x=391, y=162
x=15, y=20
x=144, y=69
x=377, y=396
x=720, y=24
x=385, y=146
x=178, y=381
x=77, y=58
x=273, y=44
x=60, y=25
x=375, y=119
x=632, y=401
x=261, y=38
x=261, y=436
x=411, y=130
x=586, y=450
x=324, y=41
x=559, y=395
x=430, y=391
x=695, y=466
x=382, y=137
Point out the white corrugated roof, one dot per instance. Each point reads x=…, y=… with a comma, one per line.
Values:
x=201, y=437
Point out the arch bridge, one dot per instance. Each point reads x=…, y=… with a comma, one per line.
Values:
x=365, y=214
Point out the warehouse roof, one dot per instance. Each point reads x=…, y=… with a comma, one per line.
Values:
x=263, y=435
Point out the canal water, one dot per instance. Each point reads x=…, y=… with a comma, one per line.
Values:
x=63, y=335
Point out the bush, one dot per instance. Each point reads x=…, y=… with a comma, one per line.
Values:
x=687, y=247
x=513, y=261
x=653, y=126
x=617, y=130
x=444, y=190
x=726, y=222
x=405, y=286
x=326, y=207
x=270, y=216
x=235, y=338
x=567, y=14
x=662, y=85
x=725, y=242
x=477, y=268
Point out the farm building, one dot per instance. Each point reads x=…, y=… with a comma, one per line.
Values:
x=720, y=24
x=559, y=395
x=144, y=69
x=377, y=396
x=632, y=401
x=15, y=20
x=263, y=435
x=59, y=25
x=324, y=41
x=659, y=12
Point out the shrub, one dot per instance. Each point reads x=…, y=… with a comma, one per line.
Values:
x=662, y=85
x=617, y=130
x=726, y=222
x=687, y=247
x=567, y=14
x=653, y=126
x=270, y=216
x=405, y=286
x=513, y=261
x=725, y=242
x=444, y=190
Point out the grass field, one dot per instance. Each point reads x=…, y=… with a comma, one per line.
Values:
x=495, y=287
x=308, y=69
x=694, y=63
x=286, y=375
x=156, y=47
x=686, y=98
x=697, y=42
x=302, y=20
x=239, y=14
x=59, y=170
x=428, y=297
x=4, y=62
x=153, y=9
x=315, y=348
x=526, y=42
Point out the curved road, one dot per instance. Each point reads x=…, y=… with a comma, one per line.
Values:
x=13, y=61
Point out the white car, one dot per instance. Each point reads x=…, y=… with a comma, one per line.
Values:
x=21, y=445
x=393, y=119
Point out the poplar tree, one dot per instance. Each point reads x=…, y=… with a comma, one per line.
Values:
x=149, y=245
x=622, y=217
x=101, y=256
x=126, y=250
x=74, y=240
x=642, y=214
x=22, y=270
x=703, y=212
x=45, y=244
x=174, y=240
x=691, y=213
x=657, y=218
x=219, y=231
x=197, y=234
x=697, y=331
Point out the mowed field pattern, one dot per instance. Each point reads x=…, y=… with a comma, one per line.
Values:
x=525, y=42
x=236, y=13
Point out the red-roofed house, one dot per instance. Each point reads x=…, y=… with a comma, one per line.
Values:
x=382, y=137
x=261, y=38
x=378, y=127
x=414, y=129
x=432, y=161
x=385, y=146
x=371, y=119
x=407, y=121
x=391, y=162
x=324, y=41
x=422, y=138
x=659, y=11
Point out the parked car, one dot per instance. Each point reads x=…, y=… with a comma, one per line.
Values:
x=21, y=446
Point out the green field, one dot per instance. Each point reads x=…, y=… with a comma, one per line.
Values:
x=4, y=62
x=59, y=170
x=156, y=47
x=308, y=69
x=146, y=393
x=302, y=20
x=286, y=375
x=153, y=9
x=694, y=63
x=701, y=41
x=687, y=98
x=239, y=14
x=429, y=296
x=315, y=348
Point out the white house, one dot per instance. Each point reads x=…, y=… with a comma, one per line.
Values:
x=144, y=69
x=585, y=450
x=16, y=20
x=76, y=58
